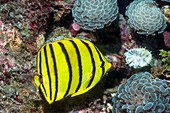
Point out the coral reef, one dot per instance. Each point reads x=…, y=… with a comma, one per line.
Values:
x=9, y=41
x=161, y=72
x=138, y=57
x=117, y=60
x=165, y=58
x=145, y=17
x=59, y=32
x=16, y=67
x=127, y=40
x=25, y=25
x=17, y=97
x=95, y=14
x=166, y=73
x=30, y=17
x=142, y=93
x=63, y=8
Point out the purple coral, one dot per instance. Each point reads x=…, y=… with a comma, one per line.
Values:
x=166, y=36
x=142, y=94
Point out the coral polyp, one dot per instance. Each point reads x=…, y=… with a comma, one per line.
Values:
x=138, y=57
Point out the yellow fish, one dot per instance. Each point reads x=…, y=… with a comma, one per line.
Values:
x=69, y=66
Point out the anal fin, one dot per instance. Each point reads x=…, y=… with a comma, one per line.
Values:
x=81, y=92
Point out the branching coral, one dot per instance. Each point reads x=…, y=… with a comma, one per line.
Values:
x=145, y=17
x=94, y=14
x=142, y=94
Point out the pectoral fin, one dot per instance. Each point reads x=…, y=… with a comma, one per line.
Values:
x=36, y=81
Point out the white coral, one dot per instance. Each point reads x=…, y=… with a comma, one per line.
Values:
x=138, y=57
x=145, y=17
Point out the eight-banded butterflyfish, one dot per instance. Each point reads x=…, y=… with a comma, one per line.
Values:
x=69, y=66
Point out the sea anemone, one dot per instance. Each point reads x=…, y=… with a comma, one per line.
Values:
x=145, y=17
x=142, y=94
x=94, y=14
x=138, y=57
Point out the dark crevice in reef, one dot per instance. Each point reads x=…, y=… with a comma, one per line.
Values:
x=152, y=43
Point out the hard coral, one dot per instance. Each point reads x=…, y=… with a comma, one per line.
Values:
x=145, y=17
x=142, y=94
x=94, y=14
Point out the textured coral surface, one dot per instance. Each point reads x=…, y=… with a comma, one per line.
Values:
x=94, y=14
x=145, y=17
x=142, y=93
